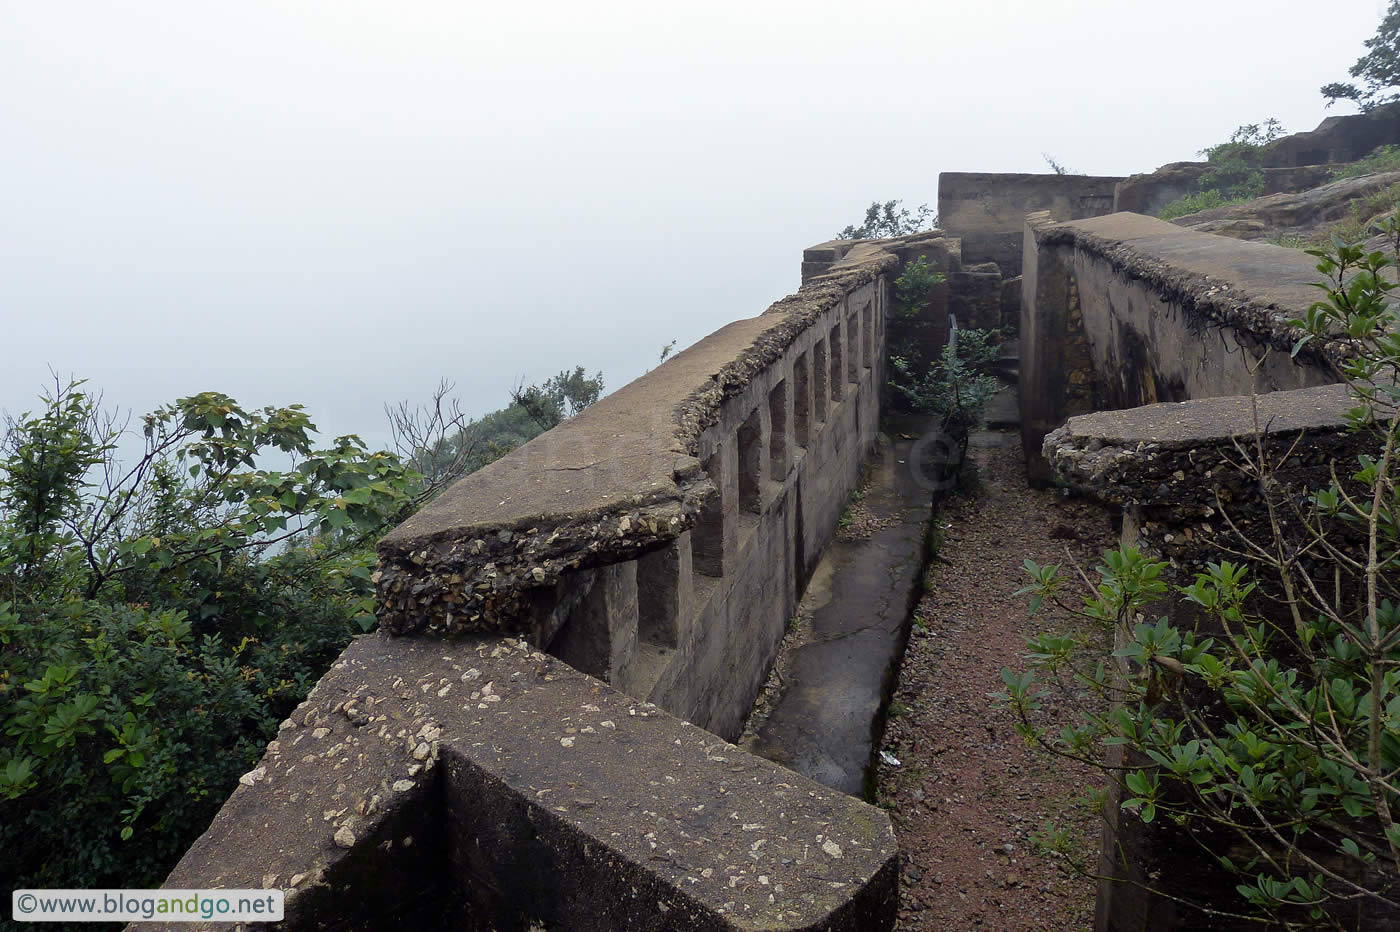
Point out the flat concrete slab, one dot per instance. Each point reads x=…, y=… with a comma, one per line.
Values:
x=831, y=681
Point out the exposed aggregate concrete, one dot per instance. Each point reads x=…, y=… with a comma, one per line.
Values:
x=620, y=479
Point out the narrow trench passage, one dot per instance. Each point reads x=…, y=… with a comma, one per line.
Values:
x=820, y=710
x=968, y=798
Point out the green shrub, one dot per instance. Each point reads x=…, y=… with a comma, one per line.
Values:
x=1383, y=159
x=1233, y=174
x=914, y=287
x=1201, y=200
x=158, y=622
x=1267, y=727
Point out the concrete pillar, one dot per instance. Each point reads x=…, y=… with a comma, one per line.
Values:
x=600, y=637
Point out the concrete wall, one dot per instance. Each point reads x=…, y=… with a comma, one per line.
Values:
x=655, y=547
x=1125, y=310
x=660, y=540
x=1162, y=347
x=987, y=210
x=477, y=784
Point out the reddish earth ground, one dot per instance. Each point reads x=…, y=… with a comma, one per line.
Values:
x=969, y=797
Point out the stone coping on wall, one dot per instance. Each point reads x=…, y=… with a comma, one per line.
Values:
x=819, y=259
x=1255, y=288
x=1183, y=455
x=621, y=478
x=481, y=783
x=997, y=202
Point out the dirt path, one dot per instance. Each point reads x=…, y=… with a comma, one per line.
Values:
x=968, y=796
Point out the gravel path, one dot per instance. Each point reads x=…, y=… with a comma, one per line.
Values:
x=968, y=796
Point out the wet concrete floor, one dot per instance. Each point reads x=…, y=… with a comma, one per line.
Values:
x=823, y=707
x=826, y=697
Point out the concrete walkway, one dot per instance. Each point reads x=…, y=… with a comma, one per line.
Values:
x=824, y=704
x=825, y=699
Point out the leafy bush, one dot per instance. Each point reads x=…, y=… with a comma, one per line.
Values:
x=890, y=219
x=914, y=287
x=1383, y=159
x=1194, y=203
x=1269, y=731
x=956, y=385
x=1233, y=175
x=157, y=622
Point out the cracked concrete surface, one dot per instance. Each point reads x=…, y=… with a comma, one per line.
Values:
x=828, y=687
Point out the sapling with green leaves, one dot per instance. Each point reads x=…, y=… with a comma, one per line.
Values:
x=1267, y=729
x=159, y=619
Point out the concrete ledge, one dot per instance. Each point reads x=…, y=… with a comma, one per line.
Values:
x=1124, y=311
x=477, y=783
x=619, y=480
x=1252, y=287
x=1177, y=467
x=1166, y=454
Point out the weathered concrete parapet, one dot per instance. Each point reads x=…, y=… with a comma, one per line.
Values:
x=1177, y=455
x=1159, y=314
x=1177, y=466
x=479, y=784
x=660, y=539
x=987, y=210
x=618, y=480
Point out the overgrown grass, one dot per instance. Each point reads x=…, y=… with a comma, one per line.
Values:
x=1194, y=203
x=1291, y=241
x=1383, y=159
x=1357, y=227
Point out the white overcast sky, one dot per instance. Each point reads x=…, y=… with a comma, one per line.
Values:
x=337, y=203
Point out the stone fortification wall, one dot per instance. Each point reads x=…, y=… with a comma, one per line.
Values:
x=529, y=753
x=1164, y=348
x=1125, y=310
x=987, y=211
x=479, y=784
x=660, y=539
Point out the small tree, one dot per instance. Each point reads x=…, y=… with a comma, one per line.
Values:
x=890, y=219
x=1269, y=733
x=1233, y=174
x=1379, y=68
x=560, y=397
x=954, y=386
x=159, y=619
x=442, y=444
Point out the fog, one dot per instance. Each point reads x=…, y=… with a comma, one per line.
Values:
x=336, y=204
